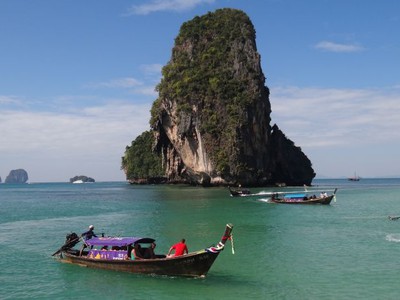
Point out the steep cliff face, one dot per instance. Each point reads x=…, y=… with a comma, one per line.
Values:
x=212, y=117
x=290, y=164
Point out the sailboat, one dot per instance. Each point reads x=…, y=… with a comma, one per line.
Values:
x=354, y=178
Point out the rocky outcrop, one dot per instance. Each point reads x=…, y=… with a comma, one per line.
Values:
x=17, y=176
x=81, y=179
x=291, y=166
x=212, y=118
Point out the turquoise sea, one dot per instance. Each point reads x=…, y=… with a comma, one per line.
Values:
x=347, y=250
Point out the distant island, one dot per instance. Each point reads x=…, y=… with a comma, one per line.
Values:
x=17, y=176
x=81, y=179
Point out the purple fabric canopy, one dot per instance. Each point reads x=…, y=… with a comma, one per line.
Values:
x=117, y=241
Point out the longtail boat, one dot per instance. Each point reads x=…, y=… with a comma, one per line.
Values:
x=303, y=198
x=239, y=192
x=117, y=256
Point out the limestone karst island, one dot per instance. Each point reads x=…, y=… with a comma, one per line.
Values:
x=211, y=124
x=17, y=176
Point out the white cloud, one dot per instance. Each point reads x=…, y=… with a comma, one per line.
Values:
x=152, y=70
x=5, y=99
x=316, y=117
x=151, y=74
x=127, y=82
x=342, y=130
x=336, y=47
x=166, y=5
x=134, y=86
x=146, y=91
x=56, y=146
x=9, y=100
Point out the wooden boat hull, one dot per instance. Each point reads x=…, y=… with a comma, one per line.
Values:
x=195, y=264
x=325, y=200
x=354, y=179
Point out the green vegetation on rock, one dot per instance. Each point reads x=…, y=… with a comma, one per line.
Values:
x=210, y=69
x=140, y=161
x=211, y=121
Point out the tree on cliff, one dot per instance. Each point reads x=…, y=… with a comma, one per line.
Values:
x=211, y=120
x=140, y=162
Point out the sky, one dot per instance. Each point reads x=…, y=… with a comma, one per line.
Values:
x=77, y=80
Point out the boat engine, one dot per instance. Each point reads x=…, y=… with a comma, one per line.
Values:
x=70, y=241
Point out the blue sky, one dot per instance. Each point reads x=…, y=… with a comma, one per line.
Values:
x=77, y=80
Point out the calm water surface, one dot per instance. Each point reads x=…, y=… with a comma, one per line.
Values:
x=347, y=250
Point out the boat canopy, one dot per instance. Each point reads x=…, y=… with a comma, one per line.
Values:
x=294, y=196
x=117, y=241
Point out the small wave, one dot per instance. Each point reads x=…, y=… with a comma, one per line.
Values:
x=267, y=200
x=393, y=237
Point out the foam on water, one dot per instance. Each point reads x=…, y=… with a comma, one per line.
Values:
x=393, y=237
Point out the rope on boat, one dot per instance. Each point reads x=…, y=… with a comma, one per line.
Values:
x=232, y=245
x=334, y=195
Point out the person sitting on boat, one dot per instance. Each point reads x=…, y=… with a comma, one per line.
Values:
x=180, y=249
x=149, y=252
x=87, y=235
x=136, y=252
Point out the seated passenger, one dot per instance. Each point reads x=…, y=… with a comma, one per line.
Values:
x=149, y=252
x=136, y=252
x=180, y=249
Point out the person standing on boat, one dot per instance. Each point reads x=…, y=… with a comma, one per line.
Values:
x=180, y=248
x=87, y=235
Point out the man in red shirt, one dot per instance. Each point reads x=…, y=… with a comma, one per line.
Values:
x=180, y=248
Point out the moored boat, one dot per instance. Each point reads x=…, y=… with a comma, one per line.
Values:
x=193, y=264
x=303, y=198
x=239, y=192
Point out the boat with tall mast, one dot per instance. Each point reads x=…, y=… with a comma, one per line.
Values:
x=354, y=178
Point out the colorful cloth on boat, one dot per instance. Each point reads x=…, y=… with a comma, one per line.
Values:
x=216, y=249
